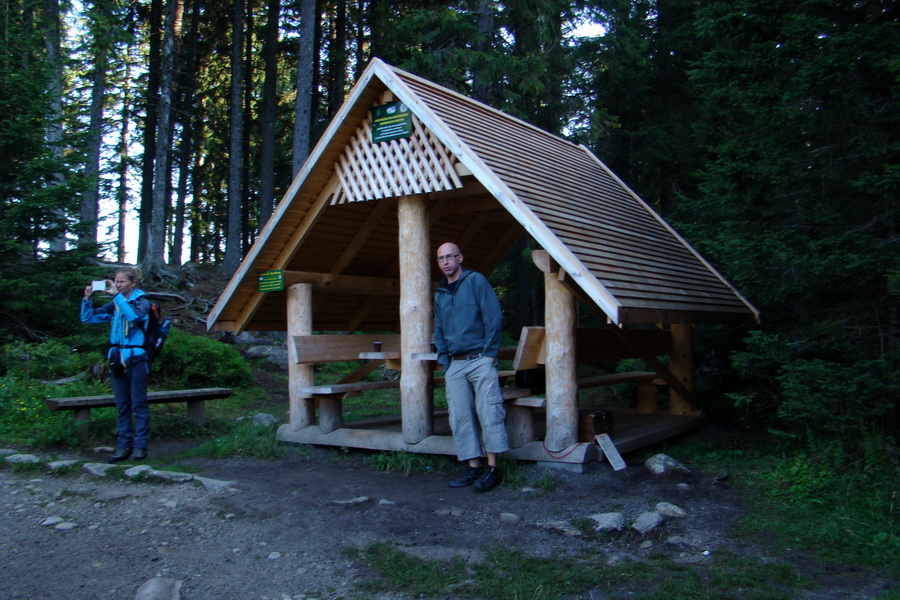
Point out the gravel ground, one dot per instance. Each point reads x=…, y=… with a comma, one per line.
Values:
x=283, y=529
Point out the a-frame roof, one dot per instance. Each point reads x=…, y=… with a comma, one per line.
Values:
x=486, y=177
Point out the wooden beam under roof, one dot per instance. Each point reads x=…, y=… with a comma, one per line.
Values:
x=344, y=284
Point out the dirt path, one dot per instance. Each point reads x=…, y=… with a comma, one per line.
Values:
x=283, y=531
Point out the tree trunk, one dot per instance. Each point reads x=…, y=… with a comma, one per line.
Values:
x=155, y=249
x=151, y=105
x=337, y=58
x=235, y=142
x=190, y=60
x=481, y=79
x=247, y=232
x=90, y=202
x=54, y=126
x=305, y=69
x=267, y=116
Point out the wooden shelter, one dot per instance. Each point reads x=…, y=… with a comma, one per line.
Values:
x=356, y=234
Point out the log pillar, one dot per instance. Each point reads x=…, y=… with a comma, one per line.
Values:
x=562, y=379
x=416, y=377
x=682, y=367
x=299, y=322
x=647, y=398
x=519, y=425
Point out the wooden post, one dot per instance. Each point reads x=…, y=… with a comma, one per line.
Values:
x=299, y=322
x=559, y=335
x=647, y=398
x=416, y=377
x=682, y=366
x=82, y=418
x=196, y=411
x=519, y=425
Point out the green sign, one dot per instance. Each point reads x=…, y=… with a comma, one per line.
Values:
x=391, y=122
x=271, y=281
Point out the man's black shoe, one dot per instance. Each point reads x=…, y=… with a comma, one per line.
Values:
x=139, y=454
x=487, y=481
x=119, y=454
x=468, y=478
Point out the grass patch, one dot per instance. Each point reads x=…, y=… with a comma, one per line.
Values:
x=241, y=439
x=839, y=499
x=407, y=463
x=505, y=575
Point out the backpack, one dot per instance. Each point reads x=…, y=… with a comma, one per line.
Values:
x=155, y=332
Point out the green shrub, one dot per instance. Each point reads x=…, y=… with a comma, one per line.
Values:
x=54, y=359
x=190, y=361
x=25, y=418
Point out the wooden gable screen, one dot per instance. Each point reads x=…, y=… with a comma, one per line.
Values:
x=419, y=164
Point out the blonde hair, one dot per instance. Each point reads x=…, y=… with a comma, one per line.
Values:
x=132, y=273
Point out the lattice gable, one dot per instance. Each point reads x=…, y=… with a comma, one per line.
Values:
x=416, y=165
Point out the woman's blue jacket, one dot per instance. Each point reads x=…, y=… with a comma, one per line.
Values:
x=129, y=320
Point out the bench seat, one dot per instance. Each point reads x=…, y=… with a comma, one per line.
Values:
x=194, y=399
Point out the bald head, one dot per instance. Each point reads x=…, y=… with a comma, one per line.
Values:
x=450, y=261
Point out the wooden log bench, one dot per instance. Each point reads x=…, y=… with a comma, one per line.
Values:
x=324, y=348
x=194, y=399
x=521, y=403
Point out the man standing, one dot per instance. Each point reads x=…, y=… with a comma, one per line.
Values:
x=467, y=323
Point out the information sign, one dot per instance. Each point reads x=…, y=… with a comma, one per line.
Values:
x=271, y=281
x=391, y=122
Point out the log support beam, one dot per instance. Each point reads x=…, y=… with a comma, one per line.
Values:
x=562, y=377
x=416, y=378
x=302, y=412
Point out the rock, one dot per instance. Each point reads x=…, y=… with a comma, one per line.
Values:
x=449, y=512
x=264, y=420
x=614, y=521
x=647, y=522
x=56, y=465
x=275, y=355
x=646, y=544
x=621, y=558
x=562, y=527
x=352, y=501
x=7, y=451
x=274, y=555
x=678, y=540
x=662, y=464
x=173, y=476
x=159, y=588
x=670, y=510
x=133, y=472
x=112, y=495
x=384, y=502
x=22, y=459
x=214, y=485
x=510, y=518
x=65, y=526
x=98, y=469
x=50, y=521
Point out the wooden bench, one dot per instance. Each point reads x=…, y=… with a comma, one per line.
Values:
x=194, y=399
x=322, y=348
x=521, y=402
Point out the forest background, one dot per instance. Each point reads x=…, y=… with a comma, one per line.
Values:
x=766, y=131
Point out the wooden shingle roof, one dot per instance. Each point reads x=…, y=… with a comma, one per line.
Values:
x=486, y=177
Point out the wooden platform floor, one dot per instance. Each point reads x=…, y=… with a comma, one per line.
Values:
x=631, y=432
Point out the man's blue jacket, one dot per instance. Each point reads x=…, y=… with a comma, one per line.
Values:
x=468, y=321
